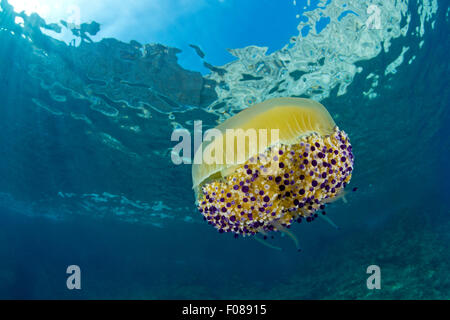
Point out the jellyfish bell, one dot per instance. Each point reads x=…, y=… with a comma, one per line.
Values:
x=272, y=164
x=292, y=118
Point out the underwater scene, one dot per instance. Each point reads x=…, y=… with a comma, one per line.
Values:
x=113, y=184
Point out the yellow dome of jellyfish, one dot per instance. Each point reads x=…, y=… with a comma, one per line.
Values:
x=290, y=177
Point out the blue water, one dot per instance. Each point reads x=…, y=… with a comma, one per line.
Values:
x=86, y=176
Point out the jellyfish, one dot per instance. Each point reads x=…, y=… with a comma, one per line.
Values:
x=306, y=165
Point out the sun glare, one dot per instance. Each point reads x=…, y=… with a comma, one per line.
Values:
x=30, y=6
x=50, y=10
